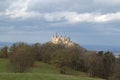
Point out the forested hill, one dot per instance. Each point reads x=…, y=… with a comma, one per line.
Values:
x=114, y=49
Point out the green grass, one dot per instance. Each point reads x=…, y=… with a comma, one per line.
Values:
x=3, y=65
x=40, y=71
x=44, y=68
x=40, y=76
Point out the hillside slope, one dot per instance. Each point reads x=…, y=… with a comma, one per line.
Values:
x=40, y=71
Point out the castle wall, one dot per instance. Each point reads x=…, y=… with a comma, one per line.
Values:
x=61, y=40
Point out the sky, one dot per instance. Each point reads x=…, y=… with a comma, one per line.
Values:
x=86, y=22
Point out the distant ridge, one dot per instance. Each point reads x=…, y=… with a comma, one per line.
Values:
x=5, y=44
x=114, y=49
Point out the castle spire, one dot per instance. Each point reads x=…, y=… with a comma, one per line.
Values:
x=56, y=34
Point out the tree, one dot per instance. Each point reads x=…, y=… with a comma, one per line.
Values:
x=118, y=59
x=68, y=58
x=100, y=64
x=92, y=64
x=36, y=50
x=76, y=56
x=21, y=58
x=4, y=52
x=116, y=74
x=17, y=45
x=48, y=49
x=109, y=63
x=60, y=60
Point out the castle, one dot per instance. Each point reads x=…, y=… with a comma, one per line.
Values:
x=56, y=39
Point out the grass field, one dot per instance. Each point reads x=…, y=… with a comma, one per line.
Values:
x=40, y=71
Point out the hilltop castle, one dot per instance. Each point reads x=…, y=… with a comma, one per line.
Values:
x=56, y=39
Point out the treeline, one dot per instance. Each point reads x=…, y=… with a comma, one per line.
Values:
x=97, y=64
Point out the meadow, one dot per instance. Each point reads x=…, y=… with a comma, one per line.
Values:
x=40, y=71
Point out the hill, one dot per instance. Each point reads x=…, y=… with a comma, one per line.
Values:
x=5, y=44
x=40, y=71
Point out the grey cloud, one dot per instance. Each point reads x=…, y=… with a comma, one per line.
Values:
x=77, y=5
x=4, y=4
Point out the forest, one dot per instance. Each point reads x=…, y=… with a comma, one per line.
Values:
x=22, y=56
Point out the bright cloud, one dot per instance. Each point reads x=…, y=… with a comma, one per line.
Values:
x=18, y=9
x=74, y=17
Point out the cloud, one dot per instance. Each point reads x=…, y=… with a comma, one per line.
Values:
x=18, y=9
x=1, y=13
x=53, y=10
x=71, y=17
x=74, y=17
x=108, y=2
x=45, y=6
